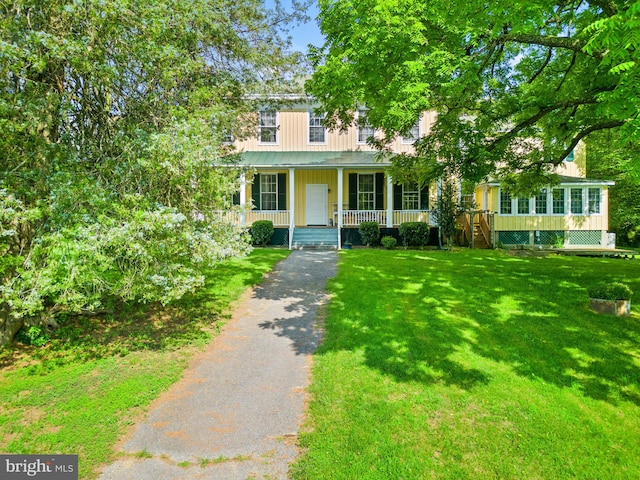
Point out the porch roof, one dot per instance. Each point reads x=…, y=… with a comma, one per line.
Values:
x=564, y=180
x=311, y=159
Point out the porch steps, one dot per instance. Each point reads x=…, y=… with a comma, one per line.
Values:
x=315, y=238
x=478, y=238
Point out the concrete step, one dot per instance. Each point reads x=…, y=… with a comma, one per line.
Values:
x=315, y=238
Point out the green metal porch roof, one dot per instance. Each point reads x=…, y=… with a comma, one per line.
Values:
x=311, y=159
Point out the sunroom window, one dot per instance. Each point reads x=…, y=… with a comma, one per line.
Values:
x=576, y=201
x=557, y=199
x=541, y=202
x=523, y=206
x=505, y=203
x=594, y=201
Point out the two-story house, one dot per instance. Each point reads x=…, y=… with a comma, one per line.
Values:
x=317, y=186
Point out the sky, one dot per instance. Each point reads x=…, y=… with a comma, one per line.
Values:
x=306, y=34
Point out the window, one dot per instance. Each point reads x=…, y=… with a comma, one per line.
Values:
x=557, y=200
x=316, y=129
x=269, y=191
x=366, y=192
x=571, y=157
x=594, y=201
x=268, y=126
x=410, y=197
x=413, y=134
x=576, y=201
x=364, y=129
x=505, y=203
x=523, y=206
x=541, y=202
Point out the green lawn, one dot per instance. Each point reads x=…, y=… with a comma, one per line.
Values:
x=80, y=392
x=474, y=365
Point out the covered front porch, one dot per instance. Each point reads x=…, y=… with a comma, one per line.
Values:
x=335, y=190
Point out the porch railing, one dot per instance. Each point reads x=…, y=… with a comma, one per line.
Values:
x=402, y=216
x=352, y=218
x=280, y=218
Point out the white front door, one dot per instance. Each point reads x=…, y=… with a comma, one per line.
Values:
x=317, y=200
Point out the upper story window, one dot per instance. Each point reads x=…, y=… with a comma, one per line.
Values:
x=365, y=130
x=268, y=126
x=317, y=132
x=413, y=134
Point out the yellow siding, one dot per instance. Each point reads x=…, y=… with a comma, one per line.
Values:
x=293, y=136
x=305, y=177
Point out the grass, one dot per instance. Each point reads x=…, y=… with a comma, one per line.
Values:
x=95, y=376
x=473, y=365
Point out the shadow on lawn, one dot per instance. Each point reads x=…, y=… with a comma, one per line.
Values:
x=138, y=327
x=445, y=317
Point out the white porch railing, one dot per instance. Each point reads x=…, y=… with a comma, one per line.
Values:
x=402, y=216
x=352, y=218
x=280, y=218
x=356, y=217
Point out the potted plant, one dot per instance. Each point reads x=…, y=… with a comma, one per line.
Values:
x=347, y=245
x=611, y=298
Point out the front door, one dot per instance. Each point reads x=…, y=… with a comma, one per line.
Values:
x=317, y=200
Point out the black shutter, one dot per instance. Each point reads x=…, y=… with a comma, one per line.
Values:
x=255, y=191
x=353, y=191
x=424, y=198
x=379, y=199
x=282, y=191
x=397, y=197
x=236, y=198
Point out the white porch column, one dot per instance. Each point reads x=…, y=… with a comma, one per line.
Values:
x=340, y=181
x=339, y=222
x=389, y=202
x=292, y=204
x=243, y=199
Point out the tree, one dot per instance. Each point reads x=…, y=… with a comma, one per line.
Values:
x=610, y=157
x=516, y=85
x=113, y=116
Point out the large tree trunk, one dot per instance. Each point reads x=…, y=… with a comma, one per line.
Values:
x=9, y=325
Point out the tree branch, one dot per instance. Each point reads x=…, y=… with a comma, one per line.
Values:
x=593, y=128
x=568, y=43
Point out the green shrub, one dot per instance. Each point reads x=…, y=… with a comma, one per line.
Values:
x=370, y=233
x=610, y=291
x=35, y=336
x=414, y=234
x=389, y=242
x=262, y=231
